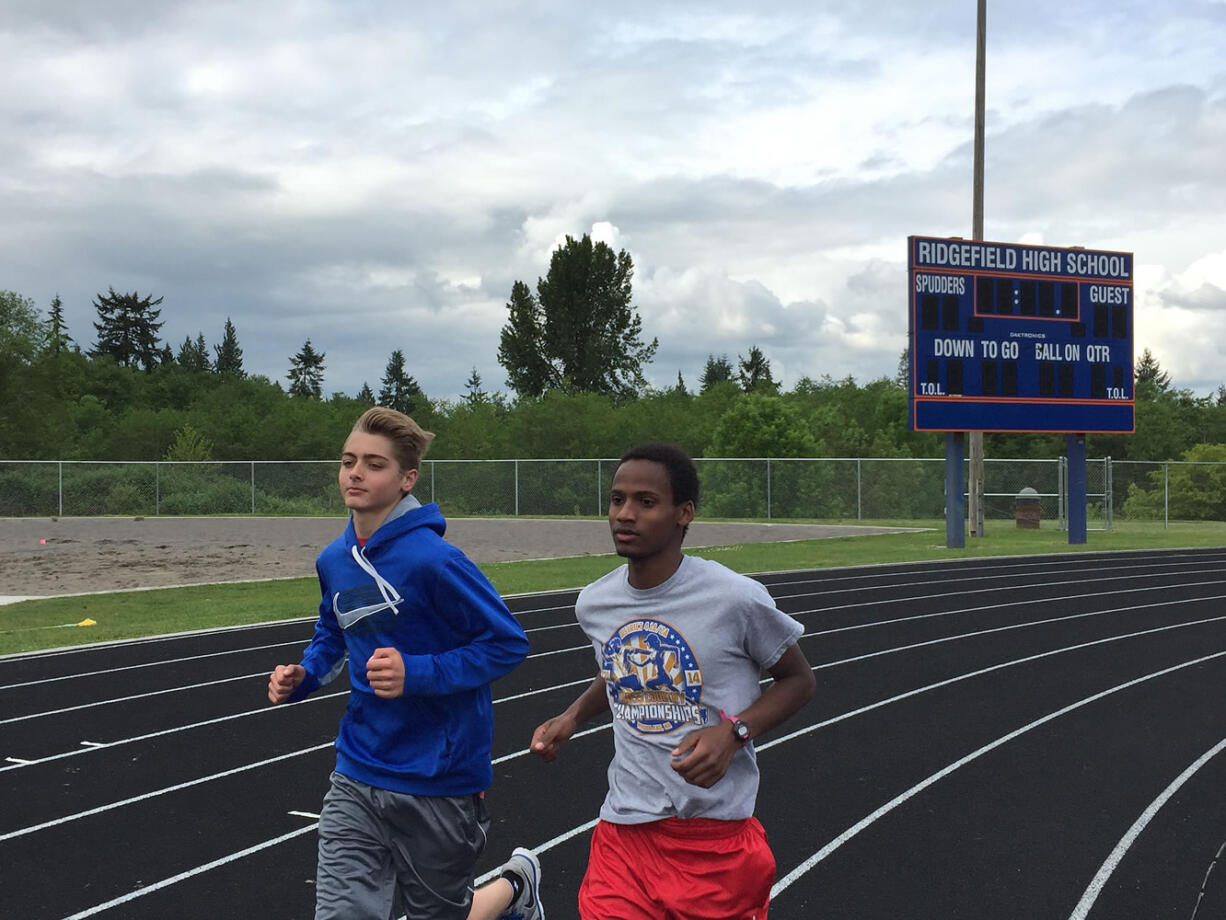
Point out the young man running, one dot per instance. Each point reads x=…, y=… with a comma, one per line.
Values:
x=425, y=634
x=680, y=643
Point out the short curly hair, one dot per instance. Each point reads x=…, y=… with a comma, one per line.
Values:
x=682, y=472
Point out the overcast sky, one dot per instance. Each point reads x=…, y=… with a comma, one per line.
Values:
x=376, y=174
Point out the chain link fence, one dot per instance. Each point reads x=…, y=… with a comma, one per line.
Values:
x=751, y=488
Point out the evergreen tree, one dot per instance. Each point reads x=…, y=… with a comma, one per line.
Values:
x=194, y=355
x=229, y=355
x=58, y=327
x=1151, y=379
x=366, y=395
x=755, y=372
x=475, y=396
x=716, y=370
x=529, y=372
x=306, y=374
x=902, y=376
x=680, y=389
x=580, y=333
x=128, y=329
x=399, y=391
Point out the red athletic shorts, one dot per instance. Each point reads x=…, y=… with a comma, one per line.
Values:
x=678, y=869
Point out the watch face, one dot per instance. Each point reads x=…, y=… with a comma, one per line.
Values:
x=741, y=730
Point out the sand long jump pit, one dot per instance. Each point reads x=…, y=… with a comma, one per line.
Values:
x=41, y=557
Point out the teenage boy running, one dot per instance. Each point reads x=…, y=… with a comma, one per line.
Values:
x=425, y=634
x=681, y=643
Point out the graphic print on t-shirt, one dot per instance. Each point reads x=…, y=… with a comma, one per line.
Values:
x=653, y=678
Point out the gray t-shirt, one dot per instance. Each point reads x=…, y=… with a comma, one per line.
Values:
x=672, y=658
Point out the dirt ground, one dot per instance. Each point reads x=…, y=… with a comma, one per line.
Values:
x=41, y=557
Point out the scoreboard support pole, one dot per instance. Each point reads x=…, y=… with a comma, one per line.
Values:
x=976, y=437
x=1075, y=447
x=955, y=504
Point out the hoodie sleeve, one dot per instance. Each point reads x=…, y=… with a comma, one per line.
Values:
x=324, y=657
x=496, y=643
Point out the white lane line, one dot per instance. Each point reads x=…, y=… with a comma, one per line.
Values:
x=1025, y=564
x=17, y=763
x=1168, y=569
x=1027, y=602
x=881, y=703
x=567, y=835
x=970, y=674
x=147, y=664
x=782, y=884
x=137, y=642
x=238, y=651
x=21, y=762
x=304, y=814
x=944, y=613
x=256, y=648
x=562, y=651
x=135, y=696
x=1094, y=889
x=580, y=648
x=525, y=751
x=995, y=629
x=55, y=822
x=183, y=876
x=92, y=744
x=196, y=633
x=168, y=731
x=570, y=624
x=1204, y=883
x=519, y=696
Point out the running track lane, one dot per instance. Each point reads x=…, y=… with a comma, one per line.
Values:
x=1030, y=738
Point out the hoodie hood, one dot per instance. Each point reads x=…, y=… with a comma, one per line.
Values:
x=408, y=514
x=403, y=507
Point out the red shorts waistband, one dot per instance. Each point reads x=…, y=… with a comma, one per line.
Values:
x=692, y=827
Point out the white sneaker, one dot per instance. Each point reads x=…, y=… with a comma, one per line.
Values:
x=527, y=868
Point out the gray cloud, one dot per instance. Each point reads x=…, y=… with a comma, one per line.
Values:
x=376, y=175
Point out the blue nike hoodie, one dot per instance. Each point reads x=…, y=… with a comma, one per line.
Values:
x=410, y=590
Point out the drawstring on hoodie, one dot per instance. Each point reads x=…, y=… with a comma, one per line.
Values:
x=390, y=595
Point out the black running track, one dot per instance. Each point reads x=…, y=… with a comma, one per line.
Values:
x=1025, y=738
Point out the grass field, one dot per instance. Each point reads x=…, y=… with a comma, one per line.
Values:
x=56, y=622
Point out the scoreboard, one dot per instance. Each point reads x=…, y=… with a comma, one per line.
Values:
x=1005, y=337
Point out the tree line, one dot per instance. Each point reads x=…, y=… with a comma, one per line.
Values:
x=574, y=355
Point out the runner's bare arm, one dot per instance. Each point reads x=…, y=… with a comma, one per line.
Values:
x=794, y=686
x=549, y=736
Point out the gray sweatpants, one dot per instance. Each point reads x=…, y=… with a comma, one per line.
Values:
x=373, y=842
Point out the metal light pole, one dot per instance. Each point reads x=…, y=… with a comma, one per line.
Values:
x=976, y=437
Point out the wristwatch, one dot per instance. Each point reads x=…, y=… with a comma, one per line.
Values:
x=739, y=728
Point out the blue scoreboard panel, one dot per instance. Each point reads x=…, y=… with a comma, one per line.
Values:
x=1006, y=337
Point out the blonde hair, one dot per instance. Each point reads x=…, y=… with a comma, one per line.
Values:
x=409, y=440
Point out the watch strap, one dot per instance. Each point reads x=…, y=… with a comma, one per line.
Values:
x=739, y=729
